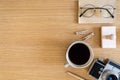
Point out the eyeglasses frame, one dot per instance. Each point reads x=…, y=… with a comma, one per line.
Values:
x=95, y=10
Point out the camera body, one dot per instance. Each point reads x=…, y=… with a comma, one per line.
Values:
x=102, y=70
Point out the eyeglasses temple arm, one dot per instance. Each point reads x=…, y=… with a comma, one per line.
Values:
x=85, y=11
x=108, y=12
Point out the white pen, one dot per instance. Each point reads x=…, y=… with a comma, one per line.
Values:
x=74, y=75
x=88, y=36
x=81, y=32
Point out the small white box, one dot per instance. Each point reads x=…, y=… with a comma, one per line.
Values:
x=108, y=36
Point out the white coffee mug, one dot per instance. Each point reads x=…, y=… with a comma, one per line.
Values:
x=70, y=63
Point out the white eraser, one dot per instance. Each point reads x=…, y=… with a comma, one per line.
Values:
x=108, y=36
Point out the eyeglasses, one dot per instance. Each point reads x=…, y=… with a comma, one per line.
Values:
x=89, y=10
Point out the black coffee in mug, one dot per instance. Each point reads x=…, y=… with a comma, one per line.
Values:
x=79, y=54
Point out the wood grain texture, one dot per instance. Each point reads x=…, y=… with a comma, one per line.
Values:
x=35, y=34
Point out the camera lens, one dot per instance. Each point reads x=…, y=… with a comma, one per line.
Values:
x=111, y=77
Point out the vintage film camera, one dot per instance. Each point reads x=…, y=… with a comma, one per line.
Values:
x=102, y=70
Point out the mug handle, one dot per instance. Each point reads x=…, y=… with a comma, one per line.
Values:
x=66, y=64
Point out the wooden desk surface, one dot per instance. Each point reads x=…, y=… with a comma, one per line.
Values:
x=35, y=34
